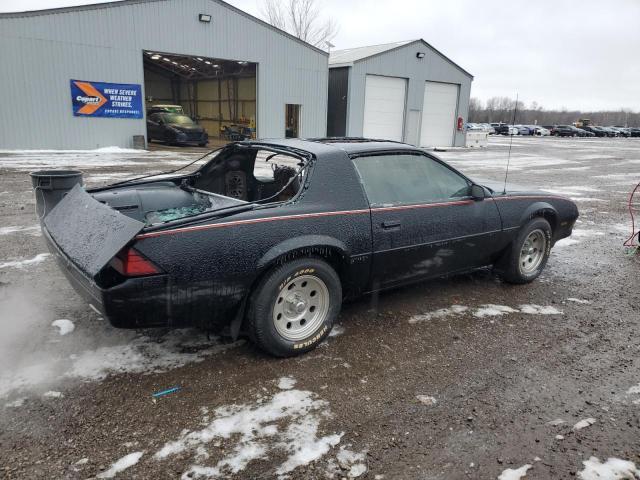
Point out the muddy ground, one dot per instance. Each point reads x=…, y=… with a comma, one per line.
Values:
x=408, y=387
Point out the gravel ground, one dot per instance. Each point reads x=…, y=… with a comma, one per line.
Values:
x=407, y=387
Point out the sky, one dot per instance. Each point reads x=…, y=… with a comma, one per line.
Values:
x=569, y=54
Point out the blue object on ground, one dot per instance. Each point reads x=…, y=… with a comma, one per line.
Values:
x=166, y=392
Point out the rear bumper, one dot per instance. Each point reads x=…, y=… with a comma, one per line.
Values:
x=135, y=303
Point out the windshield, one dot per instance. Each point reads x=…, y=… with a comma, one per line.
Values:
x=178, y=119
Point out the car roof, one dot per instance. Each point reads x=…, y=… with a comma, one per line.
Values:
x=349, y=145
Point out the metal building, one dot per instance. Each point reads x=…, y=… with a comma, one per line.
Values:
x=83, y=77
x=404, y=91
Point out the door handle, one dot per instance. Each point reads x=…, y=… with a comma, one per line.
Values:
x=390, y=225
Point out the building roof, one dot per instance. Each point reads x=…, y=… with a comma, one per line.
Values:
x=349, y=56
x=118, y=3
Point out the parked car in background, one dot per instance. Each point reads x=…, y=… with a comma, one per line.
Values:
x=273, y=258
x=579, y=132
x=564, y=131
x=597, y=131
x=513, y=130
x=540, y=131
x=523, y=130
x=474, y=126
x=501, y=128
x=610, y=131
x=634, y=132
x=622, y=131
x=586, y=133
x=175, y=128
x=488, y=128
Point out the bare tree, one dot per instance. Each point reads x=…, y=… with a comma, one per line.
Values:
x=302, y=19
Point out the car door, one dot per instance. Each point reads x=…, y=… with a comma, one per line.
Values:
x=153, y=126
x=424, y=221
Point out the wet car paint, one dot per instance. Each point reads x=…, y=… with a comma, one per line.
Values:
x=211, y=265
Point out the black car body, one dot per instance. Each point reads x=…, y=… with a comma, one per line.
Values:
x=567, y=131
x=597, y=131
x=500, y=128
x=634, y=132
x=175, y=128
x=188, y=250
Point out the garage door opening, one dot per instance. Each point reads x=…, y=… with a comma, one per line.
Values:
x=217, y=94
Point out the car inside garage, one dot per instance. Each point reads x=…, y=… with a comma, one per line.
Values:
x=218, y=94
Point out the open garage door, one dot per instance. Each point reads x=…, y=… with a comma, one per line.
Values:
x=219, y=95
x=439, y=114
x=384, y=104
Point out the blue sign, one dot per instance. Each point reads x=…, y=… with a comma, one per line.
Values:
x=99, y=99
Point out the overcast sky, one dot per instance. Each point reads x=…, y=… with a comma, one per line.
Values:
x=560, y=53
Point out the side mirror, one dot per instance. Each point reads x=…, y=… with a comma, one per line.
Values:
x=477, y=192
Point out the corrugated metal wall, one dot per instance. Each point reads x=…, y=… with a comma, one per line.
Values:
x=40, y=53
x=403, y=63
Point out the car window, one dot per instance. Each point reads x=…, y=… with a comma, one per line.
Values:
x=400, y=179
x=154, y=117
x=269, y=166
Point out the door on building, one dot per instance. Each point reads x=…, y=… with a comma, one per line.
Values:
x=439, y=112
x=424, y=221
x=384, y=107
x=292, y=121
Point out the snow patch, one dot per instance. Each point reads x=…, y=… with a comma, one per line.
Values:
x=515, y=474
x=426, y=399
x=578, y=300
x=64, y=326
x=121, y=465
x=41, y=257
x=612, y=469
x=336, y=330
x=354, y=462
x=52, y=394
x=539, y=310
x=587, y=422
x=286, y=383
x=441, y=313
x=18, y=402
x=32, y=230
x=565, y=242
x=287, y=423
x=634, y=390
x=556, y=422
x=491, y=310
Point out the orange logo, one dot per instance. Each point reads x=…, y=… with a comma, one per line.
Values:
x=93, y=99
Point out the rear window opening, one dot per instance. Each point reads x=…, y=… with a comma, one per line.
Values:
x=236, y=178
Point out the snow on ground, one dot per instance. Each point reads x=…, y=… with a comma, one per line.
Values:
x=515, y=474
x=566, y=242
x=486, y=310
x=41, y=257
x=426, y=399
x=52, y=394
x=31, y=230
x=336, y=330
x=587, y=422
x=121, y=465
x=578, y=300
x=137, y=354
x=64, y=326
x=285, y=425
x=286, y=383
x=634, y=390
x=612, y=469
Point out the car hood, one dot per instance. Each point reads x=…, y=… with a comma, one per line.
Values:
x=186, y=128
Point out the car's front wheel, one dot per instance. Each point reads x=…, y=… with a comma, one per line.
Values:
x=294, y=306
x=528, y=254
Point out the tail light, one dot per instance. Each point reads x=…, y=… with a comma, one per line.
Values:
x=130, y=263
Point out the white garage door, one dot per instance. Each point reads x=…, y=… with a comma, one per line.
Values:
x=439, y=114
x=384, y=99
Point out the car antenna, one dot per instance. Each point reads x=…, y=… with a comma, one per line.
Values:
x=513, y=122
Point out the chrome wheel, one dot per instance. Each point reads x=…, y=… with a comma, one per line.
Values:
x=533, y=252
x=301, y=307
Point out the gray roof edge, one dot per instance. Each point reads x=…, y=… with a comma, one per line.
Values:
x=119, y=3
x=424, y=42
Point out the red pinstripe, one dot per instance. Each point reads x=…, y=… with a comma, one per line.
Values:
x=300, y=216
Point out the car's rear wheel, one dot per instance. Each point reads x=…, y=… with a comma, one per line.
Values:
x=294, y=306
x=528, y=254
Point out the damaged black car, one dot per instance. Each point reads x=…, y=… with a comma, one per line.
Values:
x=268, y=238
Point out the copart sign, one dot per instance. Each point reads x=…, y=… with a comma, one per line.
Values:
x=99, y=99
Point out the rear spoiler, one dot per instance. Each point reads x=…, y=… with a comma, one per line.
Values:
x=88, y=232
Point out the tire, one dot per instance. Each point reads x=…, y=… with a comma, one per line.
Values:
x=282, y=299
x=202, y=144
x=517, y=267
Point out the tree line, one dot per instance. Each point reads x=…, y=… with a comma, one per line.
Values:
x=501, y=109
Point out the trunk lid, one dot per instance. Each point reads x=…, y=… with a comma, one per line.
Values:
x=88, y=232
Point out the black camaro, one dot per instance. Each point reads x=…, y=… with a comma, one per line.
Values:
x=175, y=128
x=268, y=238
